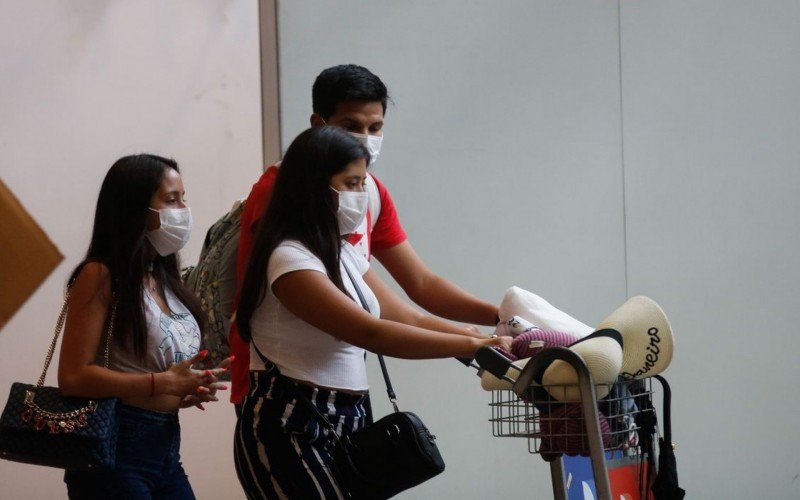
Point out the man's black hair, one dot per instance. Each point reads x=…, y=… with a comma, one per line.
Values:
x=346, y=82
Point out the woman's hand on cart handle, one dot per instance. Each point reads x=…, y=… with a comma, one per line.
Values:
x=501, y=342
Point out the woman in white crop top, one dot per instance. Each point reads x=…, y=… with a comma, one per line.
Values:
x=131, y=268
x=308, y=331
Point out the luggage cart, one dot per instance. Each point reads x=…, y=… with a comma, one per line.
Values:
x=622, y=420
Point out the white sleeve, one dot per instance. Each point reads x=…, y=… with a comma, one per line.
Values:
x=291, y=256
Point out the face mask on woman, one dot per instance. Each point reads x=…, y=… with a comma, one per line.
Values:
x=352, y=210
x=176, y=226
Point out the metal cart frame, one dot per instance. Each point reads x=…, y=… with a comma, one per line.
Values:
x=523, y=386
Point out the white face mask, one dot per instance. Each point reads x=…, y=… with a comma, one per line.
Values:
x=352, y=210
x=176, y=226
x=372, y=143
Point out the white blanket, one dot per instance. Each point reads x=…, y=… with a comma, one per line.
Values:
x=527, y=305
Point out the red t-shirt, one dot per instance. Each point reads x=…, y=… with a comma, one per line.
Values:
x=386, y=233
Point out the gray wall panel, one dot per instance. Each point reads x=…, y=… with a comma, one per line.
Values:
x=712, y=148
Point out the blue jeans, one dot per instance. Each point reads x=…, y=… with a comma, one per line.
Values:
x=148, y=461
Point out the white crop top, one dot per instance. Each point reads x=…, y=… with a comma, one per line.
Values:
x=171, y=338
x=300, y=350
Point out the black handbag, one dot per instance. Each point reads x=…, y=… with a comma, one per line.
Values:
x=41, y=426
x=388, y=456
x=384, y=458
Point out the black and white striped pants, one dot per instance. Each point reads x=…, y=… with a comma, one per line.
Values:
x=279, y=448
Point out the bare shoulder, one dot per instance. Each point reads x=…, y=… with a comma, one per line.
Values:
x=93, y=282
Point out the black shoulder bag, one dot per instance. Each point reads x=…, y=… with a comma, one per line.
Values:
x=41, y=426
x=389, y=456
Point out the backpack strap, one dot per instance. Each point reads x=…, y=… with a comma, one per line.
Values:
x=374, y=200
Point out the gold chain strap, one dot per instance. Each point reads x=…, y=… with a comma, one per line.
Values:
x=110, y=333
x=59, y=326
x=92, y=405
x=29, y=395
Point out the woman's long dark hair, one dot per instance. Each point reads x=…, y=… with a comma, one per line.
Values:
x=118, y=242
x=303, y=208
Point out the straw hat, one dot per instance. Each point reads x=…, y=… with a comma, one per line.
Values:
x=602, y=353
x=646, y=337
x=491, y=383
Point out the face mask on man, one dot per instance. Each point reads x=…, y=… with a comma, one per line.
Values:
x=176, y=226
x=352, y=210
x=372, y=143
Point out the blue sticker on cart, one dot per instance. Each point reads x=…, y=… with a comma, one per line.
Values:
x=579, y=478
x=626, y=476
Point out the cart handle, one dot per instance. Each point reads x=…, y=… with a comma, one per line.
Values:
x=493, y=362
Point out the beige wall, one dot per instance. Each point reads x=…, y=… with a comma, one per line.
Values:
x=85, y=82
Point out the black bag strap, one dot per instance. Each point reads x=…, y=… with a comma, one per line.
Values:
x=389, y=389
x=667, y=409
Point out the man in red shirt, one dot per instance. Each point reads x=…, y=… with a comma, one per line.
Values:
x=353, y=98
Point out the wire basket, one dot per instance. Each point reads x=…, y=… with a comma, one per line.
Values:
x=556, y=427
